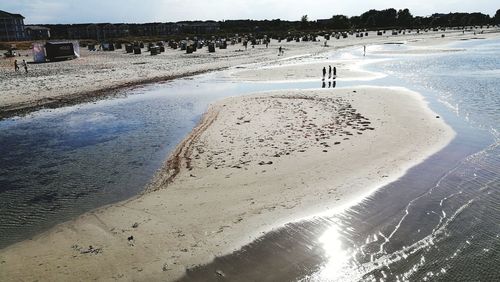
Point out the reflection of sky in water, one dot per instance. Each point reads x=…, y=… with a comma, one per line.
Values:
x=56, y=164
x=450, y=232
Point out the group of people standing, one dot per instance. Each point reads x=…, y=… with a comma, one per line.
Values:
x=24, y=64
x=330, y=72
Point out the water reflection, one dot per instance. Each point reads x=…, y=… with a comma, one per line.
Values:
x=336, y=256
x=55, y=164
x=443, y=226
x=331, y=84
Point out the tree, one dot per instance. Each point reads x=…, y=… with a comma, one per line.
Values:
x=374, y=18
x=404, y=18
x=340, y=22
x=304, y=22
x=417, y=22
x=496, y=19
x=371, y=22
x=355, y=21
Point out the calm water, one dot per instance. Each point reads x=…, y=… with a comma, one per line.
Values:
x=58, y=164
x=446, y=224
x=439, y=222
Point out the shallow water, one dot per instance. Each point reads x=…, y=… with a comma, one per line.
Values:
x=450, y=228
x=58, y=164
x=442, y=221
x=439, y=222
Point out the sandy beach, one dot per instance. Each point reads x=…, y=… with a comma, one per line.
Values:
x=98, y=74
x=251, y=165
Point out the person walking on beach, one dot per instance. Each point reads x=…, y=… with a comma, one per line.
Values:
x=25, y=65
x=329, y=72
x=334, y=72
x=364, y=50
x=324, y=73
x=16, y=66
x=280, y=50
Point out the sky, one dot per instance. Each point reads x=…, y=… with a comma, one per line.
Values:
x=140, y=11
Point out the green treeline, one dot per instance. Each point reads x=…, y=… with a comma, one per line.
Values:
x=372, y=19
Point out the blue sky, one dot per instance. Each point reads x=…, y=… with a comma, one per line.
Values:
x=82, y=11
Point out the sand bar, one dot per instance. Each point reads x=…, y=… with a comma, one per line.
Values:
x=253, y=163
x=346, y=70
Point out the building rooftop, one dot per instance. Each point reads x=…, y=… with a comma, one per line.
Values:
x=6, y=15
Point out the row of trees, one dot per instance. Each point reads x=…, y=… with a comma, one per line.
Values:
x=372, y=19
x=391, y=18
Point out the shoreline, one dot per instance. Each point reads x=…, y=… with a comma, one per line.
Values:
x=97, y=75
x=170, y=266
x=349, y=70
x=89, y=96
x=194, y=220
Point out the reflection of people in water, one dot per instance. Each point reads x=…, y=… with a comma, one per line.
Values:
x=334, y=83
x=323, y=85
x=329, y=84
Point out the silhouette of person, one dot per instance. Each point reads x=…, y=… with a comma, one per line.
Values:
x=364, y=50
x=279, y=51
x=334, y=72
x=323, y=85
x=329, y=84
x=334, y=83
x=329, y=71
x=324, y=72
x=25, y=65
x=16, y=66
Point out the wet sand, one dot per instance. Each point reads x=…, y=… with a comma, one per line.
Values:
x=394, y=233
x=253, y=164
x=345, y=70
